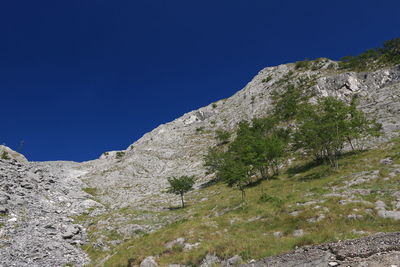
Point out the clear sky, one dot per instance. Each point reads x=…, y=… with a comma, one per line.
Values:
x=81, y=77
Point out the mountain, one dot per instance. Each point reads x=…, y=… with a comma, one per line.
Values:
x=60, y=213
x=137, y=175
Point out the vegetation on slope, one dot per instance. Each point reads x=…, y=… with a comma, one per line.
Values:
x=320, y=130
x=375, y=58
x=306, y=202
x=313, y=198
x=372, y=59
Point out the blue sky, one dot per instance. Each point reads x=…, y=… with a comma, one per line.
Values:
x=78, y=78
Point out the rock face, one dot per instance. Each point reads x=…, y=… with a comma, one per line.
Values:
x=376, y=250
x=37, y=201
x=8, y=154
x=137, y=175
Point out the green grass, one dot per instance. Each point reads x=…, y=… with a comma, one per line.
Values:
x=90, y=190
x=224, y=225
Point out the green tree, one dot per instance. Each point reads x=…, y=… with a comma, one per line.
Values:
x=391, y=51
x=214, y=160
x=321, y=129
x=235, y=173
x=359, y=126
x=324, y=128
x=255, y=152
x=287, y=104
x=180, y=186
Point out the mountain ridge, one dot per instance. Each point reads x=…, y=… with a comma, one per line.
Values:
x=78, y=196
x=177, y=148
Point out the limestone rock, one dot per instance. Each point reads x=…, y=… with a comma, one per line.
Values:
x=298, y=233
x=149, y=262
x=179, y=241
x=189, y=246
x=3, y=210
x=70, y=231
x=210, y=260
x=235, y=260
x=39, y=232
x=7, y=153
x=278, y=234
x=386, y=161
x=376, y=250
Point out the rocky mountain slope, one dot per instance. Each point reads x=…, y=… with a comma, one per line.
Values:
x=40, y=202
x=138, y=175
x=37, y=201
x=376, y=250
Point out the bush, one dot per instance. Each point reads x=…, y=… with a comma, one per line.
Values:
x=199, y=130
x=120, y=154
x=5, y=155
x=222, y=136
x=305, y=64
x=269, y=78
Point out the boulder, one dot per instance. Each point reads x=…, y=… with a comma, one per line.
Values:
x=70, y=231
x=149, y=262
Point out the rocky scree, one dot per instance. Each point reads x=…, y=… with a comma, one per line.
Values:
x=36, y=203
x=375, y=250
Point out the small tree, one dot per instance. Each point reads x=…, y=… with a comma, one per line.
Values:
x=180, y=186
x=235, y=173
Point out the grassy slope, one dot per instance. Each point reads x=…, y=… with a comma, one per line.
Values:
x=222, y=224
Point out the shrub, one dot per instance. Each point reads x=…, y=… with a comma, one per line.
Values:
x=269, y=78
x=5, y=155
x=305, y=64
x=222, y=136
x=199, y=130
x=120, y=154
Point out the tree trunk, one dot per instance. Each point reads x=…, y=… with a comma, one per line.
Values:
x=264, y=172
x=243, y=193
x=183, y=203
x=351, y=143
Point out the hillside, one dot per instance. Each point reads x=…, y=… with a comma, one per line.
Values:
x=115, y=211
x=306, y=204
x=138, y=174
